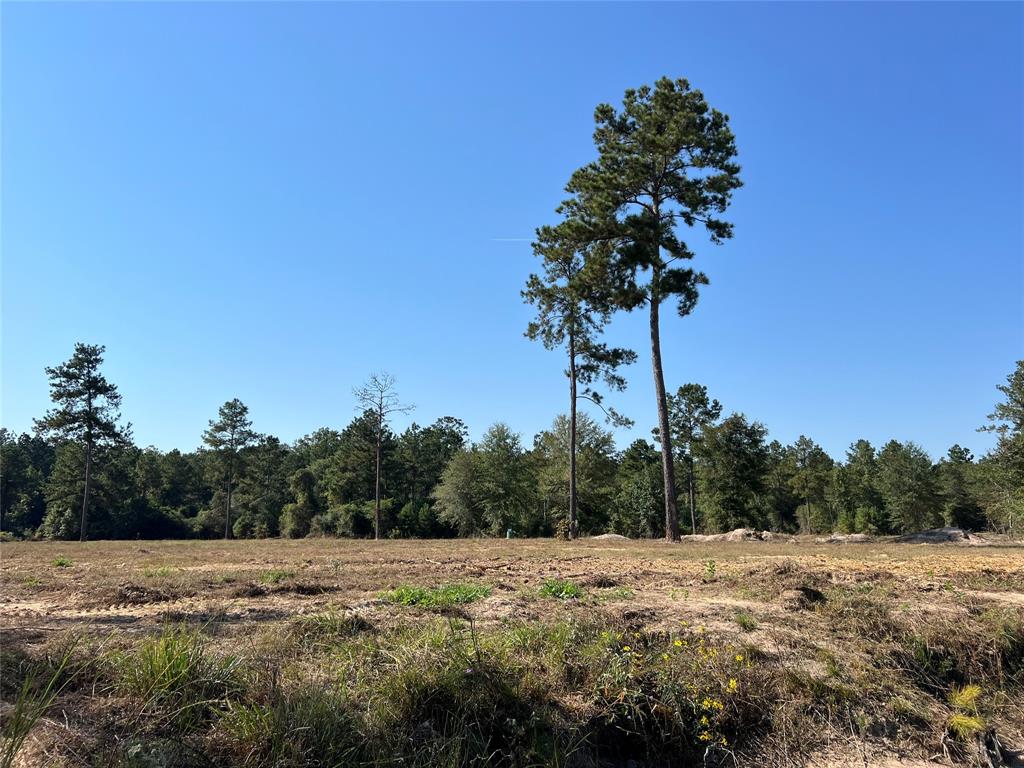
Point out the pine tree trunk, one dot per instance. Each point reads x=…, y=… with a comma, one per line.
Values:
x=693, y=498
x=376, y=496
x=227, y=513
x=85, y=496
x=668, y=468
x=573, y=518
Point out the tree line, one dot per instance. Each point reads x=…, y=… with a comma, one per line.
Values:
x=80, y=474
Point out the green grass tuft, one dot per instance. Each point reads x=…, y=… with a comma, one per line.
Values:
x=62, y=562
x=563, y=589
x=276, y=575
x=437, y=597
x=329, y=627
x=746, y=621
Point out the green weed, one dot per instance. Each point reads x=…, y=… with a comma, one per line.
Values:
x=276, y=575
x=437, y=597
x=746, y=621
x=563, y=589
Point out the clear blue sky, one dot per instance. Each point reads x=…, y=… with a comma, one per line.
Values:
x=270, y=201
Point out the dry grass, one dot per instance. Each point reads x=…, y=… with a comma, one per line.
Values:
x=848, y=650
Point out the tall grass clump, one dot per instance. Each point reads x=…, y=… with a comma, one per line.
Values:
x=447, y=698
x=33, y=699
x=328, y=628
x=300, y=726
x=175, y=677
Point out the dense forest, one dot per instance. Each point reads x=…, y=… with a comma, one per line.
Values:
x=436, y=483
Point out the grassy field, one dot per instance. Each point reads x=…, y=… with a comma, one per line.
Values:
x=522, y=653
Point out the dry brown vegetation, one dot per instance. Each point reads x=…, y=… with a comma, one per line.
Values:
x=589, y=653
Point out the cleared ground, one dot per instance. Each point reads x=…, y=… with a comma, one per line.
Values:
x=246, y=585
x=805, y=609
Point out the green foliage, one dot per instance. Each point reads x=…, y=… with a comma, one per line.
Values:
x=435, y=485
x=490, y=488
x=965, y=697
x=227, y=437
x=639, y=493
x=812, y=473
x=297, y=517
x=595, y=468
x=965, y=727
x=86, y=412
x=561, y=589
x=329, y=627
x=25, y=463
x=666, y=161
x=62, y=562
x=691, y=414
x=1002, y=472
x=733, y=471
x=437, y=597
x=907, y=485
x=745, y=621
x=276, y=575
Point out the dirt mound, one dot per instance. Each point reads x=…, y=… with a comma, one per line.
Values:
x=136, y=594
x=610, y=536
x=740, y=534
x=801, y=598
x=845, y=538
x=938, y=536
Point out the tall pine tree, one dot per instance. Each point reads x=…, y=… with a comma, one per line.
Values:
x=571, y=313
x=87, y=409
x=666, y=159
x=228, y=436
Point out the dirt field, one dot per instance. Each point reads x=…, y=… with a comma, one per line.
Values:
x=243, y=585
x=793, y=602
